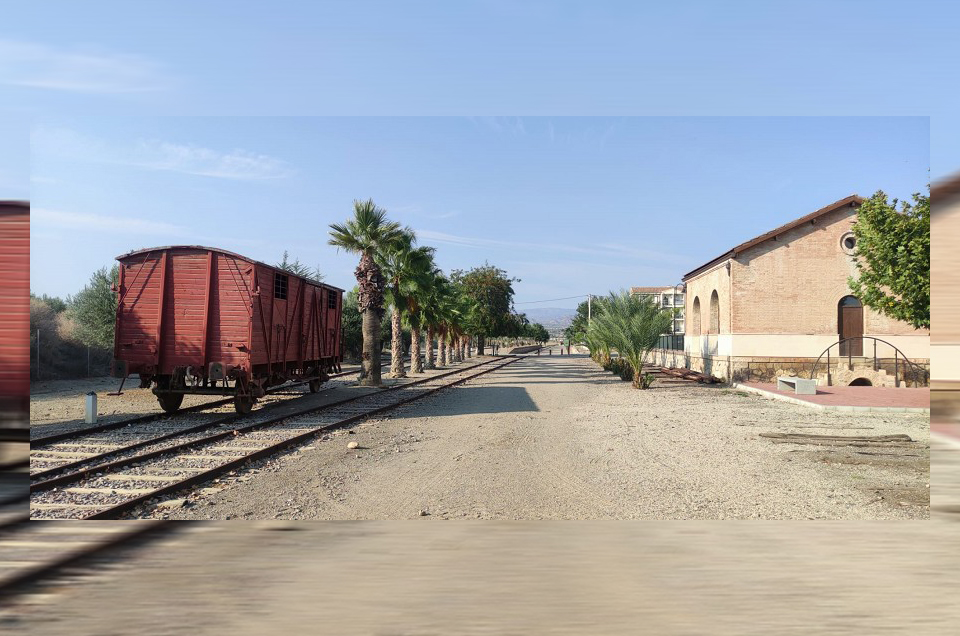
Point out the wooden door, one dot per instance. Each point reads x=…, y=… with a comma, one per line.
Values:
x=850, y=325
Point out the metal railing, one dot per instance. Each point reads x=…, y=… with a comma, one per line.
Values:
x=898, y=356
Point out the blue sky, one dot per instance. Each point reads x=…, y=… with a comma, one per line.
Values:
x=481, y=58
x=487, y=57
x=569, y=205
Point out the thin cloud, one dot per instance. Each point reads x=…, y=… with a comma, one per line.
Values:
x=606, y=250
x=33, y=65
x=62, y=219
x=153, y=154
x=416, y=210
x=49, y=221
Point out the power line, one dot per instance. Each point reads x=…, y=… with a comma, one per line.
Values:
x=531, y=302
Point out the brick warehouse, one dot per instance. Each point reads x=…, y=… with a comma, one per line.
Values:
x=772, y=305
x=945, y=281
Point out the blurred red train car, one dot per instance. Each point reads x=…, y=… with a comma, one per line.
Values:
x=14, y=307
x=201, y=320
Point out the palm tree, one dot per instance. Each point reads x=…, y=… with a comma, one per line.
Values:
x=405, y=268
x=368, y=234
x=419, y=316
x=432, y=309
x=632, y=325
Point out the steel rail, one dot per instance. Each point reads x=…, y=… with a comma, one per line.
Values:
x=41, y=442
x=117, y=510
x=20, y=582
x=79, y=475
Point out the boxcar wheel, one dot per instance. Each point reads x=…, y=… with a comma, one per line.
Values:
x=315, y=385
x=170, y=402
x=243, y=404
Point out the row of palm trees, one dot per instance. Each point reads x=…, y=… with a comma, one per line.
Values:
x=629, y=325
x=394, y=271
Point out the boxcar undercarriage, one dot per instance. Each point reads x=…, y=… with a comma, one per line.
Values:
x=243, y=387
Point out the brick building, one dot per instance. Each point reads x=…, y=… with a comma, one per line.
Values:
x=772, y=305
x=945, y=281
x=667, y=298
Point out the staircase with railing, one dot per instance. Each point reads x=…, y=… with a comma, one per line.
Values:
x=844, y=351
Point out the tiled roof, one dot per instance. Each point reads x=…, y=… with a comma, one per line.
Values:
x=853, y=199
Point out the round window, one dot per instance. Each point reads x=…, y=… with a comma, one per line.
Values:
x=848, y=242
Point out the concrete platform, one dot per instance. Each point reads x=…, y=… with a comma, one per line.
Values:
x=850, y=398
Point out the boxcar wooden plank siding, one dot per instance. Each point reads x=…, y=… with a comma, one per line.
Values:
x=187, y=306
x=14, y=303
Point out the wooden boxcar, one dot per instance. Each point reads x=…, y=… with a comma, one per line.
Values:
x=194, y=319
x=14, y=307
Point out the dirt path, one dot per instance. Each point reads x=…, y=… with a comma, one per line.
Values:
x=556, y=438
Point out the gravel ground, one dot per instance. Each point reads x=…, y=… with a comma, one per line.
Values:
x=415, y=578
x=556, y=438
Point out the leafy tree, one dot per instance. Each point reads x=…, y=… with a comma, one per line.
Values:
x=298, y=268
x=94, y=309
x=490, y=292
x=55, y=303
x=893, y=258
x=577, y=331
x=537, y=332
x=632, y=325
x=368, y=234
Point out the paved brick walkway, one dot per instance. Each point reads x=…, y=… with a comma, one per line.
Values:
x=862, y=396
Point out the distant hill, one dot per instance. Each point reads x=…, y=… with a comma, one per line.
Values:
x=553, y=318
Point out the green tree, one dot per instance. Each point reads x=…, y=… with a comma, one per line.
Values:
x=577, y=331
x=490, y=292
x=368, y=234
x=893, y=258
x=298, y=268
x=537, y=332
x=94, y=309
x=631, y=325
x=55, y=303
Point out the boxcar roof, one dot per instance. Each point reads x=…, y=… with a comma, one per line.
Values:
x=148, y=250
x=14, y=206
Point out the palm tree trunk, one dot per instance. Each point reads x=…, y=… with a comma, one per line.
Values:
x=463, y=348
x=396, y=346
x=416, y=364
x=370, y=304
x=470, y=347
x=430, y=362
x=370, y=358
x=442, y=345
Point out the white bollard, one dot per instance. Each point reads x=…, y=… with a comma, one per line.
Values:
x=91, y=411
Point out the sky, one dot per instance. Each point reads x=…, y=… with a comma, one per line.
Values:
x=570, y=206
x=486, y=58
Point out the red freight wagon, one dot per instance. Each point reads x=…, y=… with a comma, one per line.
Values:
x=194, y=319
x=14, y=305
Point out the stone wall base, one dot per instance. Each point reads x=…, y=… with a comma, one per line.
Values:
x=767, y=369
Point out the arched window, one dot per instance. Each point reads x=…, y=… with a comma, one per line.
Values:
x=714, y=312
x=695, y=325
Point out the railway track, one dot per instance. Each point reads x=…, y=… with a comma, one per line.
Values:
x=33, y=554
x=43, y=441
x=173, y=462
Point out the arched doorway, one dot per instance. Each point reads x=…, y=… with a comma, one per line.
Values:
x=861, y=382
x=714, y=312
x=695, y=325
x=850, y=325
